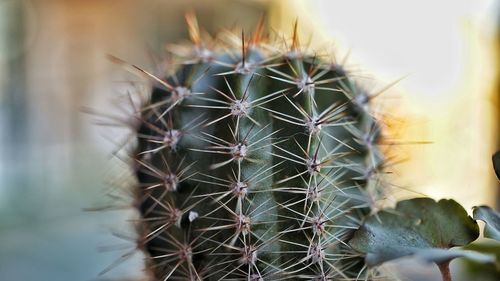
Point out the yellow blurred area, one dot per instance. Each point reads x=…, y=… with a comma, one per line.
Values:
x=447, y=55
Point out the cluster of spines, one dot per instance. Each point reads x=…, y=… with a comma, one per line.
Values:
x=255, y=164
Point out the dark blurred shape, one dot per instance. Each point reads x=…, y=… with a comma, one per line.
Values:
x=496, y=163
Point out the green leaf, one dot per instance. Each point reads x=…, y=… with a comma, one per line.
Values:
x=421, y=227
x=492, y=220
x=482, y=271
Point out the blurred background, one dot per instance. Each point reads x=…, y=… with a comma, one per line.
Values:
x=55, y=162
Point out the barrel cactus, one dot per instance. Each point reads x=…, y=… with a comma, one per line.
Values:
x=255, y=160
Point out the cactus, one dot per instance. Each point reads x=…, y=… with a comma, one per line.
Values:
x=255, y=162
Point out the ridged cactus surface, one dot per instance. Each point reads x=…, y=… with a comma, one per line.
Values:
x=255, y=162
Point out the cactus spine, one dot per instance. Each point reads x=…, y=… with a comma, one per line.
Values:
x=255, y=163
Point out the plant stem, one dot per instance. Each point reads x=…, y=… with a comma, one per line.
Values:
x=445, y=270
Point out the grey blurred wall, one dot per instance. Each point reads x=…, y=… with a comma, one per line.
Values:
x=54, y=161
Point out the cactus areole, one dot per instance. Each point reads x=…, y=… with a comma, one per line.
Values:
x=255, y=162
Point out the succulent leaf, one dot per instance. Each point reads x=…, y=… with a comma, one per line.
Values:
x=492, y=220
x=421, y=227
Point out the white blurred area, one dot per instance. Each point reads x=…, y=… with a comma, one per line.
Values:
x=446, y=54
x=54, y=161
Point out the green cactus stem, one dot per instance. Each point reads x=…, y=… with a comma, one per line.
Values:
x=255, y=162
